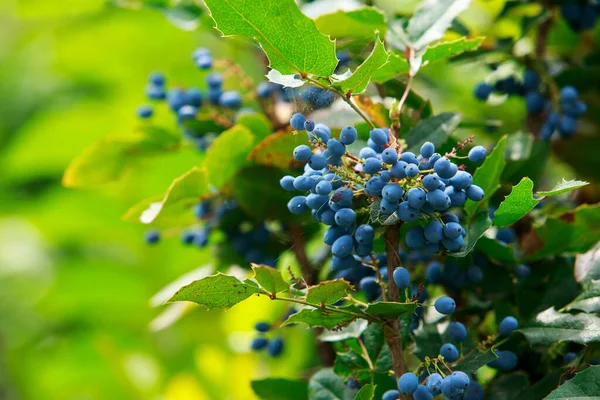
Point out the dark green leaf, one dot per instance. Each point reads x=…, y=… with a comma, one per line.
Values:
x=328, y=292
x=280, y=389
x=269, y=279
x=367, y=392
x=488, y=176
x=390, y=310
x=216, y=291
x=435, y=129
x=315, y=317
x=584, y=386
x=227, y=155
x=326, y=385
x=290, y=39
x=473, y=361
x=551, y=326
x=377, y=349
x=360, y=23
x=351, y=364
x=358, y=81
x=496, y=250
x=507, y=387
x=475, y=230
x=589, y=300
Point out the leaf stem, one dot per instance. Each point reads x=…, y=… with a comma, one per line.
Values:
x=329, y=308
x=365, y=353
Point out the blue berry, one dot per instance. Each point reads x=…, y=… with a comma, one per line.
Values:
x=531, y=80
x=474, y=392
x=569, y=357
x=433, y=232
x=427, y=149
x=343, y=246
x=568, y=94
x=316, y=201
x=323, y=187
x=449, y=352
x=297, y=121
x=372, y=165
x=398, y=170
x=433, y=273
x=155, y=92
x=157, y=79
x=187, y=113
x=568, y=126
x=215, y=80
x=364, y=234
x=389, y=156
x=304, y=183
x=317, y=161
x=475, y=193
x=391, y=395
x=522, y=271
x=460, y=380
x=287, y=183
x=388, y=207
x=204, y=62
x=422, y=393
x=408, y=383
x=453, y=230
x=475, y=274
x=461, y=180
x=444, y=168
x=319, y=133
x=415, y=237
x=297, y=205
x=457, y=331
x=506, y=361
x=434, y=383
x=392, y=192
x=445, y=305
x=457, y=197
x=407, y=213
x=275, y=347
x=453, y=244
x=264, y=90
x=439, y=200
x=187, y=237
x=374, y=186
x=508, y=325
x=345, y=217
x=367, y=152
x=336, y=148
x=534, y=102
x=348, y=135
x=302, y=153
x=262, y=327
x=353, y=383
x=431, y=181
x=144, y=112
x=259, y=343
x=231, y=99
x=409, y=158
x=378, y=136
x=371, y=288
x=483, y=91
x=477, y=154
x=309, y=125
x=401, y=277
x=412, y=170
x=214, y=95
x=152, y=237
x=416, y=198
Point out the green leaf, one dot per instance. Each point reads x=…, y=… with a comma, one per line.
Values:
x=380, y=217
x=328, y=292
x=360, y=23
x=377, y=348
x=367, y=392
x=269, y=279
x=106, y=160
x=315, y=317
x=216, y=291
x=183, y=193
x=574, y=231
x=496, y=250
x=354, y=330
x=551, y=326
x=435, y=129
x=487, y=176
x=390, y=310
x=507, y=387
x=351, y=364
x=474, y=360
x=589, y=300
x=475, y=230
x=358, y=81
x=290, y=39
x=280, y=389
x=277, y=150
x=520, y=200
x=227, y=155
x=257, y=124
x=431, y=19
x=326, y=385
x=584, y=386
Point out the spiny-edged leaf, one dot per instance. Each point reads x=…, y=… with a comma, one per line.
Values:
x=354, y=330
x=315, y=317
x=520, y=200
x=398, y=65
x=277, y=150
x=380, y=217
x=435, y=129
x=517, y=204
x=563, y=187
x=360, y=23
x=106, y=160
x=474, y=360
x=589, y=300
x=390, y=310
x=351, y=364
x=253, y=184
x=184, y=192
x=587, y=265
x=328, y=292
x=367, y=392
x=227, y=155
x=326, y=385
x=358, y=81
x=475, y=230
x=257, y=124
x=280, y=389
x=291, y=39
x=487, y=177
x=551, y=326
x=584, y=386
x=496, y=250
x=574, y=231
x=217, y=291
x=269, y=278
x=431, y=19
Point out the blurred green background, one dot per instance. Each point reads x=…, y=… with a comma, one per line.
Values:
x=76, y=320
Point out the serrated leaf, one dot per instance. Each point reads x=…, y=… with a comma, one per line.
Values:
x=354, y=330
x=475, y=230
x=280, y=389
x=574, y=231
x=583, y=386
x=435, y=129
x=367, y=392
x=227, y=155
x=326, y=385
x=563, y=187
x=290, y=39
x=277, y=150
x=269, y=279
x=328, y=292
x=183, y=193
x=551, y=326
x=358, y=81
x=315, y=317
x=431, y=19
x=390, y=310
x=216, y=291
x=351, y=364
x=360, y=23
x=487, y=177
x=588, y=300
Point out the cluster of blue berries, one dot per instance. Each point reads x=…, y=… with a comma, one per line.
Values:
x=410, y=187
x=274, y=346
x=565, y=121
x=511, y=86
x=580, y=15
